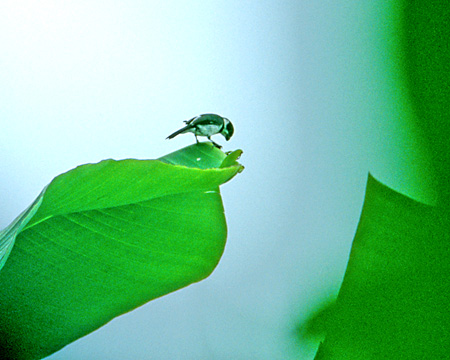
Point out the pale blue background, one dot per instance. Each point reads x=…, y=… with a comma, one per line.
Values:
x=315, y=101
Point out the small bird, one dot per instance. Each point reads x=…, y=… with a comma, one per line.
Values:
x=207, y=125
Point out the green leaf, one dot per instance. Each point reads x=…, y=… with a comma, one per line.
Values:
x=315, y=326
x=393, y=303
x=231, y=159
x=8, y=235
x=107, y=238
x=425, y=49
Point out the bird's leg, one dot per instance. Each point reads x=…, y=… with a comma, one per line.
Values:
x=196, y=138
x=215, y=144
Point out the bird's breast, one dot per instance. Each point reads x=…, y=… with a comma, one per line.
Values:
x=207, y=129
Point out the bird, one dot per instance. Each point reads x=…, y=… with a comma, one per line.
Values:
x=207, y=125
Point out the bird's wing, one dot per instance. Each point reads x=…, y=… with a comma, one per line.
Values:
x=182, y=130
x=206, y=121
x=189, y=121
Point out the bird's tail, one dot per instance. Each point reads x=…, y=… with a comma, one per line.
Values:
x=181, y=131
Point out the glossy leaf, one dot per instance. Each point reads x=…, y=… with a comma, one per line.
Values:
x=107, y=238
x=8, y=235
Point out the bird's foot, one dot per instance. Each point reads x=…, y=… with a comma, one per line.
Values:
x=216, y=145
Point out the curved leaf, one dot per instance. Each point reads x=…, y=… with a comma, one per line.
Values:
x=393, y=302
x=107, y=238
x=8, y=234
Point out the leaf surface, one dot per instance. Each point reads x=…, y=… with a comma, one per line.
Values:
x=107, y=238
x=8, y=235
x=426, y=53
x=393, y=302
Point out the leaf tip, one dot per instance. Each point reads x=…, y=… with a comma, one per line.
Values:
x=231, y=160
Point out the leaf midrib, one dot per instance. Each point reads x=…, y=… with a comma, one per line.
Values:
x=29, y=226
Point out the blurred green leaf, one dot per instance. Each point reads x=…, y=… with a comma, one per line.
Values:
x=107, y=238
x=425, y=34
x=315, y=326
x=393, y=303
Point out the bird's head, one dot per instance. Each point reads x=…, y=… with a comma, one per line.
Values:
x=228, y=129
